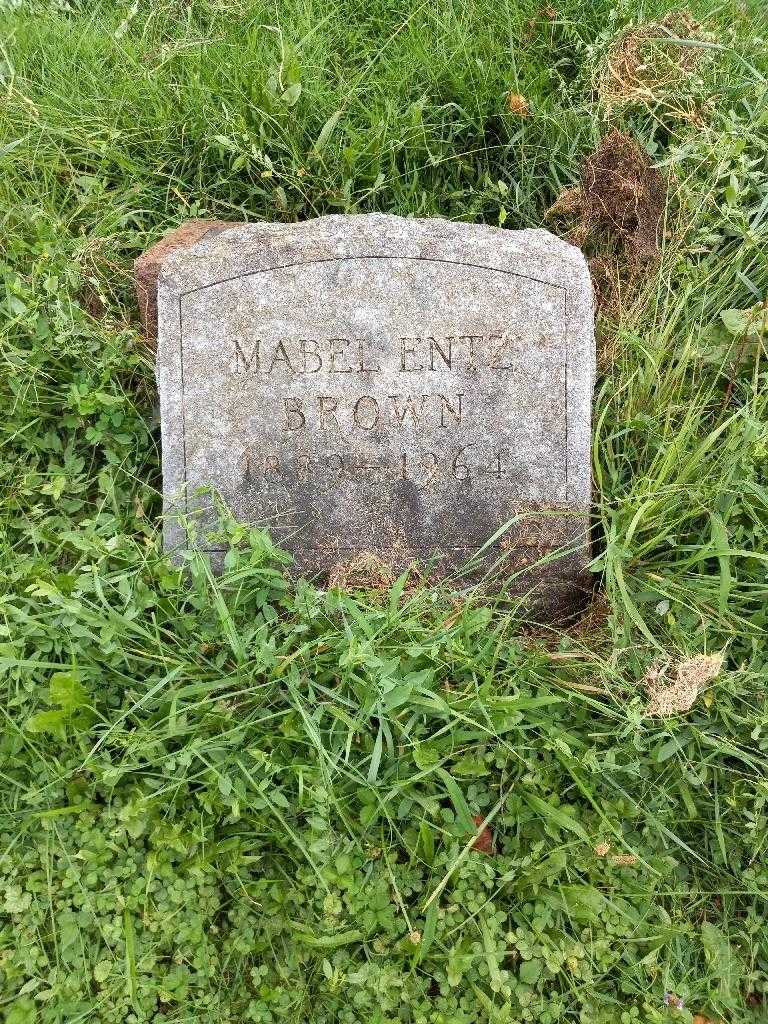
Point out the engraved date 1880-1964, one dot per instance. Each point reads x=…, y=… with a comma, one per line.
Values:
x=463, y=466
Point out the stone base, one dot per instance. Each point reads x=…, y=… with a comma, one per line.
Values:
x=553, y=584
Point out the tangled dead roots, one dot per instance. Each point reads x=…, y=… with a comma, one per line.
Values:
x=619, y=201
x=625, y=195
x=615, y=213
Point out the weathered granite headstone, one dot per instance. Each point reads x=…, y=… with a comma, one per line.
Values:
x=376, y=384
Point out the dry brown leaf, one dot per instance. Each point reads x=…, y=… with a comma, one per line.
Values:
x=484, y=841
x=517, y=104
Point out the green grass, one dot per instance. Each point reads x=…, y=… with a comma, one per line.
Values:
x=236, y=799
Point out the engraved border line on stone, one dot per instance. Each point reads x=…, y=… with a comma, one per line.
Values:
x=347, y=259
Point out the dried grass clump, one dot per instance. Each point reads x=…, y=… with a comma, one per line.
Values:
x=373, y=573
x=641, y=67
x=364, y=571
x=623, y=860
x=692, y=676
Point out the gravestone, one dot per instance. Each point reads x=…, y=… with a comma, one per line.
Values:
x=373, y=384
